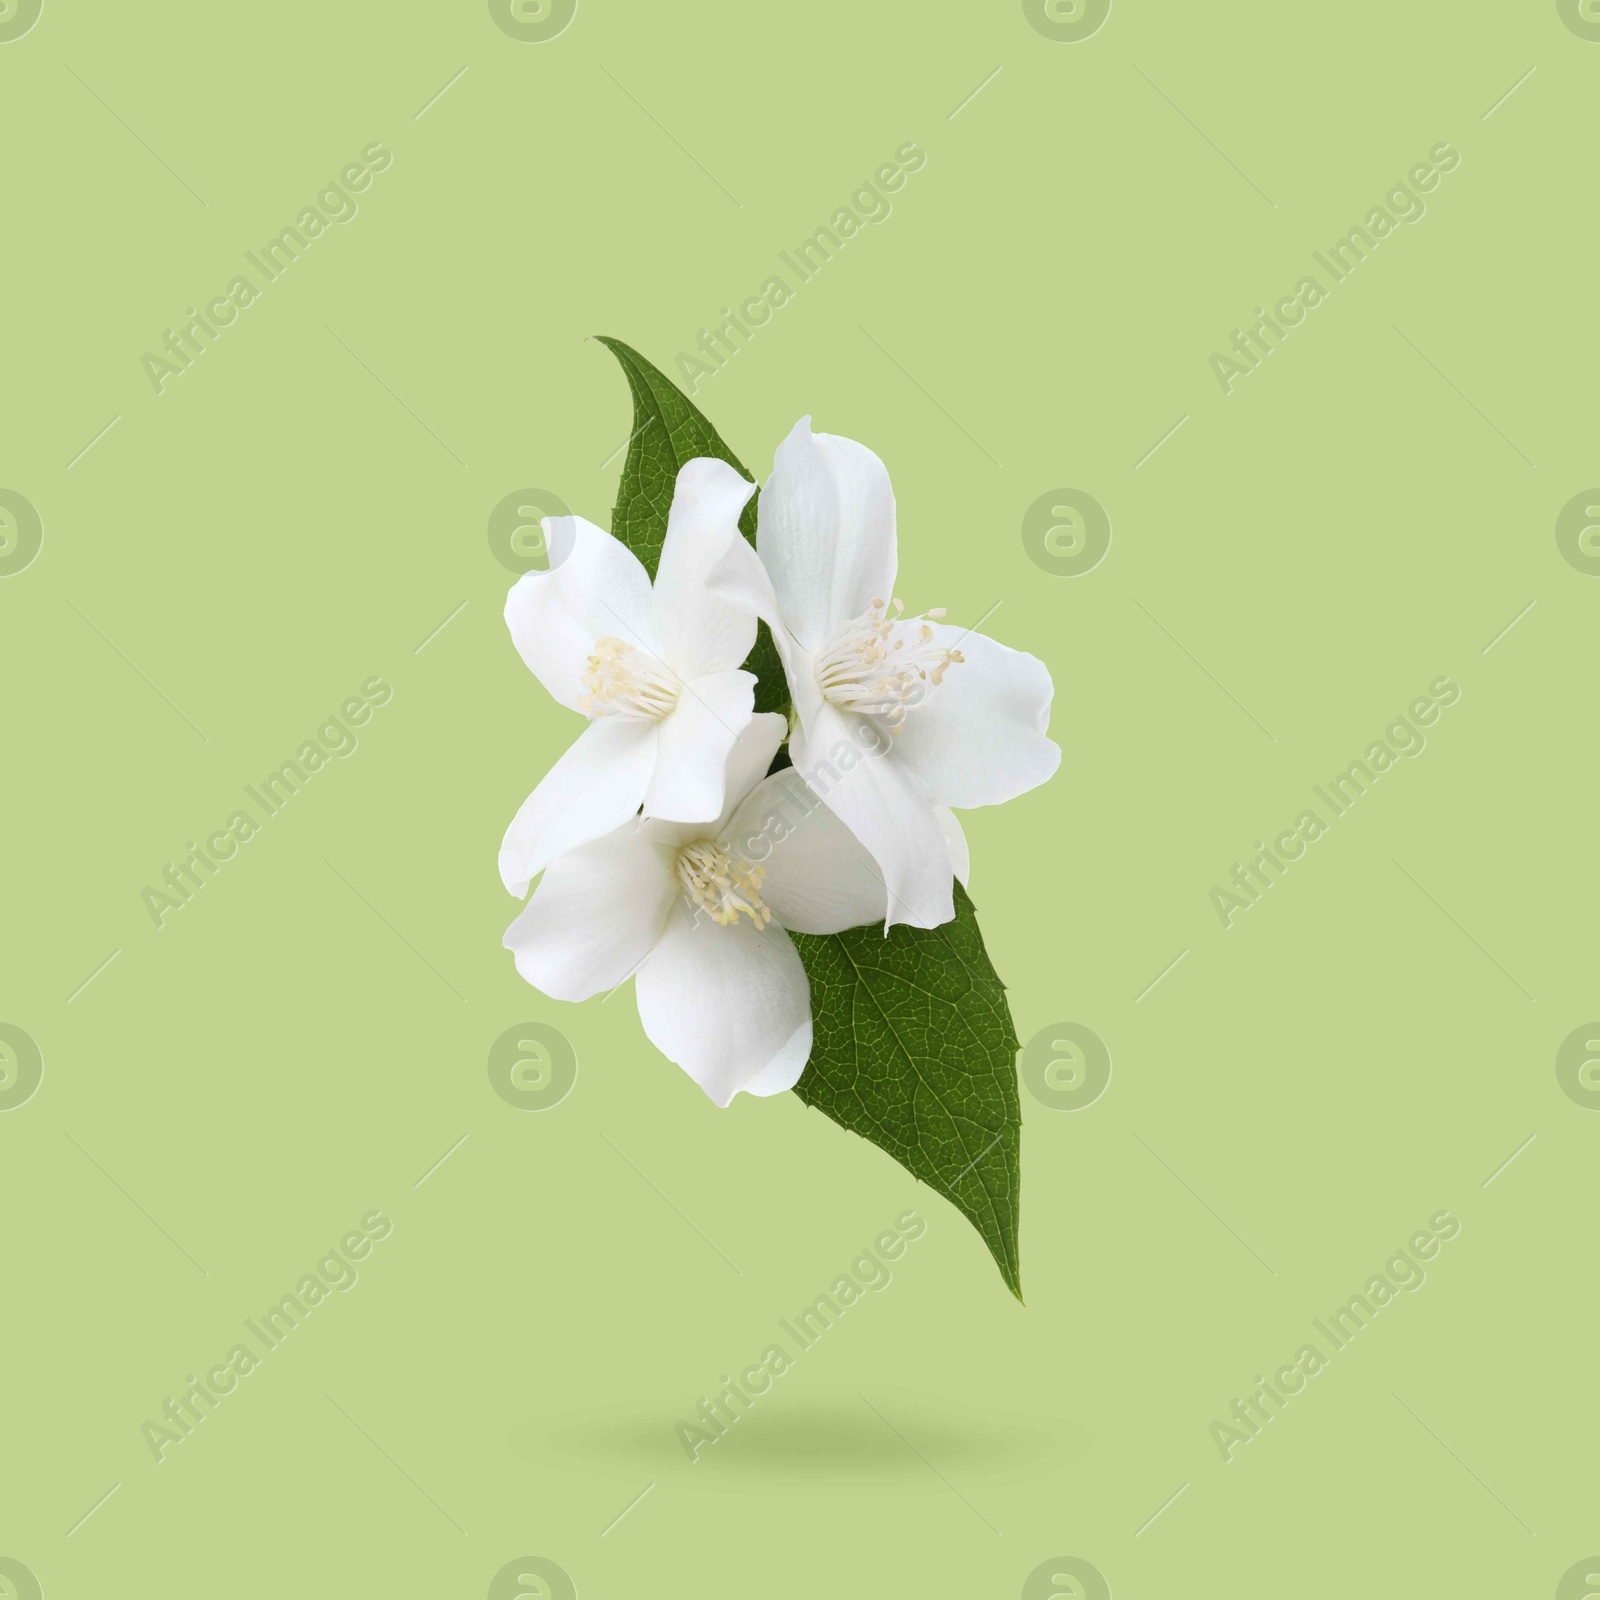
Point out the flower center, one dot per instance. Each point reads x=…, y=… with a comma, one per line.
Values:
x=623, y=682
x=716, y=883
x=883, y=664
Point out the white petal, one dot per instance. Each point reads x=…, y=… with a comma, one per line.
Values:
x=886, y=806
x=595, y=787
x=596, y=914
x=819, y=876
x=748, y=761
x=740, y=578
x=693, y=747
x=696, y=631
x=595, y=587
x=979, y=737
x=826, y=533
x=960, y=856
x=730, y=1005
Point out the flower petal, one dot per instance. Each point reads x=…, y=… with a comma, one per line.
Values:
x=826, y=533
x=960, y=856
x=595, y=787
x=730, y=1005
x=596, y=914
x=819, y=876
x=692, y=750
x=739, y=577
x=595, y=587
x=748, y=761
x=886, y=806
x=979, y=738
x=696, y=631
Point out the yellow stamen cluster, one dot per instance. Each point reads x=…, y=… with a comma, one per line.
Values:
x=884, y=664
x=718, y=884
x=620, y=681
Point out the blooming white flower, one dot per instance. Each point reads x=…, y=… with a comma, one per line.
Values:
x=698, y=913
x=958, y=719
x=656, y=671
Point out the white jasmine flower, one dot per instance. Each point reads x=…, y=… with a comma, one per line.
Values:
x=656, y=671
x=950, y=717
x=698, y=913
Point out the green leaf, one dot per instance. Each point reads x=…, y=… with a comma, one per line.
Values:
x=915, y=1050
x=669, y=430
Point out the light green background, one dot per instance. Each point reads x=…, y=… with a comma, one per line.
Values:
x=1294, y=564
